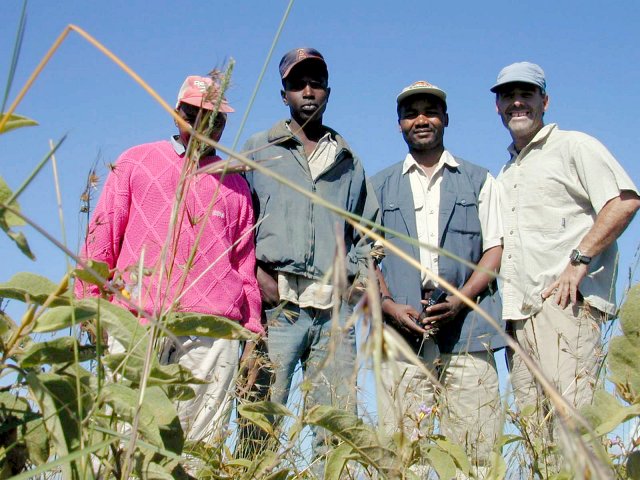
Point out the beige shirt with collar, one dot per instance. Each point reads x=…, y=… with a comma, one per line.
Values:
x=551, y=193
x=426, y=199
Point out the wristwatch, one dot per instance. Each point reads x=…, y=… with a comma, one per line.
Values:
x=577, y=258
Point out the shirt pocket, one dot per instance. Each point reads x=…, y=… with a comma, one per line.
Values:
x=392, y=219
x=465, y=217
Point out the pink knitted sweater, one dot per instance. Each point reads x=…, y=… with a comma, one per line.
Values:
x=131, y=223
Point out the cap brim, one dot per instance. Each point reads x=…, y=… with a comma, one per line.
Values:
x=197, y=102
x=499, y=85
x=291, y=67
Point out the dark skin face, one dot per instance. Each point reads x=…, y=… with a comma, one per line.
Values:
x=190, y=114
x=306, y=93
x=422, y=120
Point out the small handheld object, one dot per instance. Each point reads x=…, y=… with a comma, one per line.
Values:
x=437, y=296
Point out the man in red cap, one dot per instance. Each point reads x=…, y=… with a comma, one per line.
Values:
x=297, y=239
x=200, y=259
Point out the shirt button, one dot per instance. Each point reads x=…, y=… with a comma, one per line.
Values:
x=508, y=256
x=515, y=186
x=511, y=232
x=513, y=209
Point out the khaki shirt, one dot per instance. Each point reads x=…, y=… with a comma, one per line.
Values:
x=426, y=199
x=551, y=193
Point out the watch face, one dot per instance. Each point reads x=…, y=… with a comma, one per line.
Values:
x=576, y=257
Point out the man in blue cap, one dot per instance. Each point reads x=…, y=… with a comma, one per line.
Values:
x=565, y=200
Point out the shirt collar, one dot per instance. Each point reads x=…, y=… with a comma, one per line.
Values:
x=445, y=159
x=180, y=150
x=177, y=145
x=542, y=135
x=326, y=137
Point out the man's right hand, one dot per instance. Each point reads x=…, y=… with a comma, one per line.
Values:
x=403, y=316
x=268, y=288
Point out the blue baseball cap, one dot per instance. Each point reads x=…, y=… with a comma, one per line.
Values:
x=525, y=72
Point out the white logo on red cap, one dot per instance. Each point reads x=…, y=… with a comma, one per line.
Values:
x=202, y=86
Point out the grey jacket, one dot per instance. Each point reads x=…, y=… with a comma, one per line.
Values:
x=296, y=235
x=459, y=233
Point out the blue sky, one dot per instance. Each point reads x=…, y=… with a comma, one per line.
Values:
x=373, y=49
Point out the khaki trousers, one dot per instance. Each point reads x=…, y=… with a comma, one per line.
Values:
x=566, y=345
x=468, y=406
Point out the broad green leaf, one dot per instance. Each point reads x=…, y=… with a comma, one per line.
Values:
x=188, y=324
x=259, y=413
x=121, y=325
x=510, y=438
x=16, y=121
x=278, y=475
x=630, y=312
x=86, y=276
x=180, y=393
x=498, y=466
x=623, y=357
x=21, y=241
x=265, y=462
x=457, y=453
x=6, y=323
x=155, y=471
x=336, y=460
x=158, y=421
x=124, y=401
x=295, y=430
x=9, y=219
x=58, y=350
x=363, y=438
x=37, y=440
x=606, y=413
x=56, y=397
x=633, y=465
x=132, y=367
x=30, y=287
x=166, y=416
x=441, y=461
x=58, y=318
x=16, y=418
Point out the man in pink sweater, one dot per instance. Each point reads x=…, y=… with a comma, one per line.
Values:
x=190, y=232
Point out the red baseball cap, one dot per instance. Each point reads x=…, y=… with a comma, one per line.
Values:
x=202, y=92
x=297, y=55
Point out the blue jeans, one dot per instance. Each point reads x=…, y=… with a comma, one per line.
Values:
x=328, y=360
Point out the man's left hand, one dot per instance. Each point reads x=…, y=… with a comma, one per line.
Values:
x=565, y=288
x=446, y=310
x=253, y=361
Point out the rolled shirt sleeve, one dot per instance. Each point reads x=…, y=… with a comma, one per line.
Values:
x=489, y=214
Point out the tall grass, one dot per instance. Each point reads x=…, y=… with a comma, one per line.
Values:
x=73, y=409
